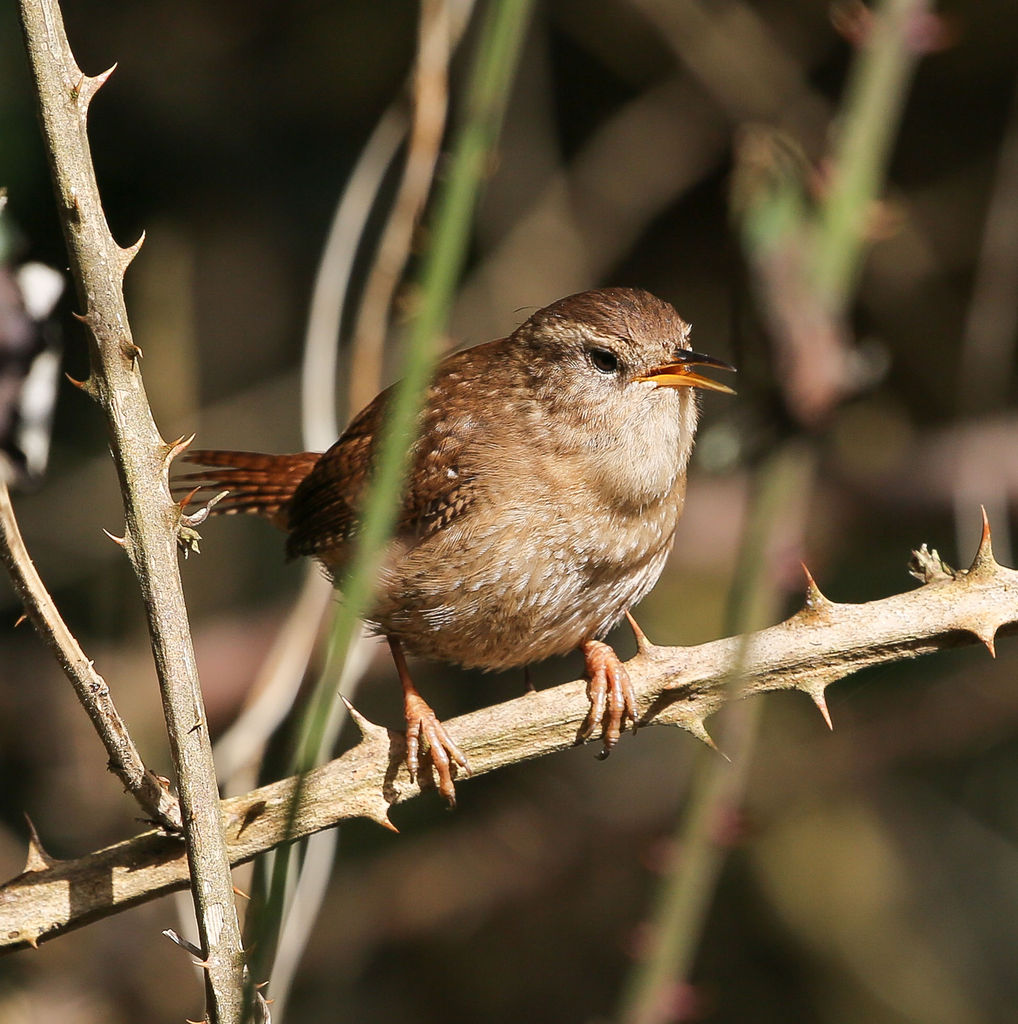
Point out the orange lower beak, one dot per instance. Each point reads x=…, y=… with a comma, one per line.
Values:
x=680, y=375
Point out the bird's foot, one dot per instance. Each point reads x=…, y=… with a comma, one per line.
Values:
x=427, y=741
x=610, y=690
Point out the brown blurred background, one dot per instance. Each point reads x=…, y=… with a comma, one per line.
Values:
x=873, y=874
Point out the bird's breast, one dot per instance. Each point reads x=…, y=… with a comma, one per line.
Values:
x=565, y=530
x=527, y=574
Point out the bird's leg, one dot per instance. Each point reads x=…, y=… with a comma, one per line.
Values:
x=612, y=700
x=527, y=681
x=425, y=734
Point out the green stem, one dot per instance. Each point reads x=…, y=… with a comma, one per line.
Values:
x=874, y=99
x=689, y=881
x=487, y=92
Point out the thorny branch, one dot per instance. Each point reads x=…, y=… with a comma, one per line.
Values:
x=152, y=520
x=678, y=686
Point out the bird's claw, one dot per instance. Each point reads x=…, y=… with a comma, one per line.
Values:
x=426, y=738
x=611, y=694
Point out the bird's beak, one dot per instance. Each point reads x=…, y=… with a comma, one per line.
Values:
x=679, y=374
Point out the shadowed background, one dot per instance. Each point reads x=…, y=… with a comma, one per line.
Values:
x=873, y=874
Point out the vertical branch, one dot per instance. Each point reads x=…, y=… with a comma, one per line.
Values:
x=806, y=262
x=658, y=988
x=142, y=458
x=872, y=110
x=431, y=100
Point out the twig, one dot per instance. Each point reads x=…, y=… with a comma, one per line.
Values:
x=677, y=686
x=332, y=280
x=152, y=795
x=98, y=264
x=431, y=100
x=179, y=940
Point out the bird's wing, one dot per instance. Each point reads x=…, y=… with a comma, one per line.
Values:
x=325, y=511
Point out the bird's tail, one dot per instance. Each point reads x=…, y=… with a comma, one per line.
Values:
x=258, y=484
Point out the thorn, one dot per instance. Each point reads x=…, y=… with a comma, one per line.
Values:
x=643, y=645
x=81, y=385
x=119, y=541
x=240, y=892
x=368, y=730
x=386, y=822
x=816, y=692
x=128, y=253
x=38, y=859
x=186, y=500
x=984, y=556
x=21, y=618
x=88, y=86
x=174, y=448
x=815, y=600
x=84, y=318
x=131, y=351
x=985, y=637
x=527, y=681
x=699, y=730
x=179, y=940
x=188, y=538
x=199, y=517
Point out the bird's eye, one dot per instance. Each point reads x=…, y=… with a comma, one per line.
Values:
x=603, y=360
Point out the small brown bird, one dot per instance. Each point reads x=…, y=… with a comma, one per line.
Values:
x=541, y=503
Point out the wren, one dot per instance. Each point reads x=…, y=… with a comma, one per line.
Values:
x=544, y=489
